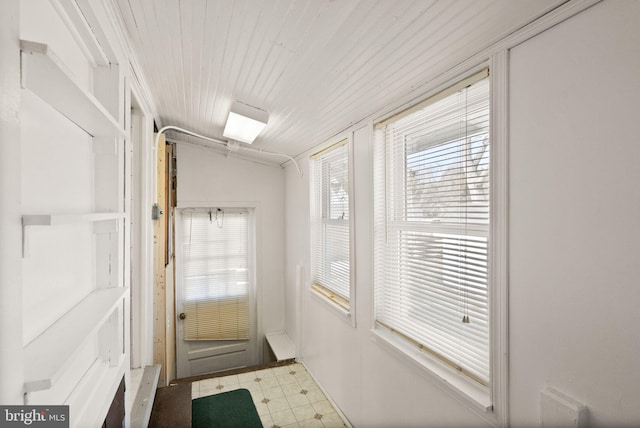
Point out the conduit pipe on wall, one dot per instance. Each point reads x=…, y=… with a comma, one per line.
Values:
x=232, y=146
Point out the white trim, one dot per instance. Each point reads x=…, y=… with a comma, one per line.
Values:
x=498, y=238
x=352, y=232
x=82, y=33
x=325, y=301
x=334, y=143
x=145, y=224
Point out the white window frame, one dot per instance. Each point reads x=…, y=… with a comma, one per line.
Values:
x=490, y=403
x=339, y=305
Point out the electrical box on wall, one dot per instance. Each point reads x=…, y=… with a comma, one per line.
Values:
x=557, y=410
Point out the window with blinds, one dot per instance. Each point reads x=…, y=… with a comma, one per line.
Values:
x=432, y=223
x=330, y=236
x=215, y=273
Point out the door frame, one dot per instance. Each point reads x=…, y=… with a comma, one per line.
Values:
x=141, y=231
x=255, y=211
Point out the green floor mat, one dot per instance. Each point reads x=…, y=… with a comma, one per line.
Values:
x=233, y=409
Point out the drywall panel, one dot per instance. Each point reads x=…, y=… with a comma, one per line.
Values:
x=575, y=216
x=205, y=177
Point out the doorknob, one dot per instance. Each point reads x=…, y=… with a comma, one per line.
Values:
x=182, y=315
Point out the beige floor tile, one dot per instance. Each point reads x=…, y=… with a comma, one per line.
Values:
x=257, y=397
x=315, y=395
x=303, y=412
x=279, y=371
x=332, y=420
x=229, y=381
x=253, y=387
x=209, y=383
x=297, y=400
x=311, y=423
x=269, y=382
x=283, y=417
x=286, y=379
x=271, y=393
x=278, y=404
x=285, y=396
x=246, y=377
x=323, y=407
x=308, y=384
x=265, y=373
x=208, y=391
x=291, y=388
x=262, y=409
x=266, y=421
x=302, y=376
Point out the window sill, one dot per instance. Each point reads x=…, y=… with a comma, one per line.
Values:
x=457, y=385
x=339, y=309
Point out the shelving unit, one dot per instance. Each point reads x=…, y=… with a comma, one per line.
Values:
x=80, y=354
x=46, y=76
x=60, y=219
x=46, y=355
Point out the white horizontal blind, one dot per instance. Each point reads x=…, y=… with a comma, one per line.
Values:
x=330, y=248
x=215, y=275
x=432, y=227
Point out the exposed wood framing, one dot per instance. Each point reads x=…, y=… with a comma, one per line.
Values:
x=159, y=293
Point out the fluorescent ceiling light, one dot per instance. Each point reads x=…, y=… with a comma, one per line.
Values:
x=245, y=122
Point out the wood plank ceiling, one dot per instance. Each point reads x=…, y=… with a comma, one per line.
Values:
x=316, y=66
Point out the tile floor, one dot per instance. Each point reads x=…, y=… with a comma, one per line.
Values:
x=285, y=397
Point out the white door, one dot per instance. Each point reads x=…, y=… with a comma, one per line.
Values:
x=215, y=290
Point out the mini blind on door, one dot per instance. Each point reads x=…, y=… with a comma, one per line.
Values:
x=330, y=247
x=432, y=226
x=215, y=275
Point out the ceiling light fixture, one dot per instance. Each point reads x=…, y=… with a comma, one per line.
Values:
x=245, y=122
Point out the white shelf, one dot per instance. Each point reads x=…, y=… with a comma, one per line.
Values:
x=47, y=354
x=45, y=75
x=281, y=345
x=57, y=219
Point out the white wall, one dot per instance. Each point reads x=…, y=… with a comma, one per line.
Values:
x=11, y=364
x=574, y=245
x=575, y=216
x=208, y=177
